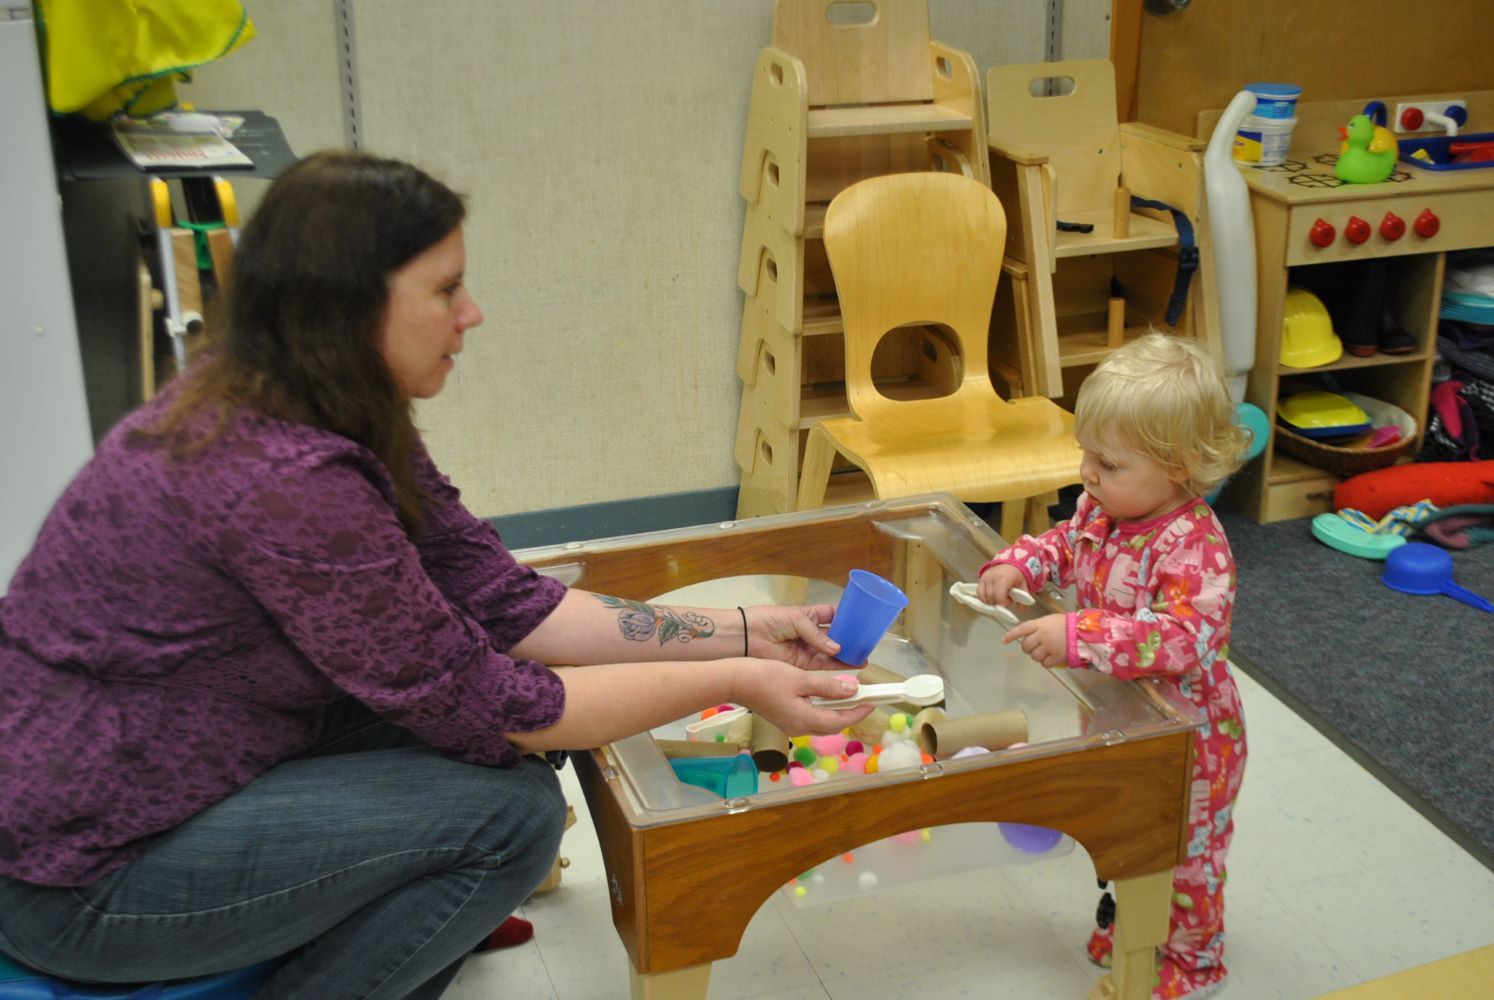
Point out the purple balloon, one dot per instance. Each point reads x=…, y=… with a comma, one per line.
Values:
x=1029, y=839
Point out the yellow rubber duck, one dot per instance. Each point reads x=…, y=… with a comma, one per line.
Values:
x=1367, y=154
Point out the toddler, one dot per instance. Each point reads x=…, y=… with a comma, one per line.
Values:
x=1154, y=583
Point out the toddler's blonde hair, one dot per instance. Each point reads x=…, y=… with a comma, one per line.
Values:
x=1165, y=397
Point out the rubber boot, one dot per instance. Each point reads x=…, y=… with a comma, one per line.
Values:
x=1393, y=338
x=1360, y=329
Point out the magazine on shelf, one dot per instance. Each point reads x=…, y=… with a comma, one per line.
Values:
x=175, y=141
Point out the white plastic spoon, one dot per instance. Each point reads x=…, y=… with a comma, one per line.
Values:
x=921, y=689
x=706, y=729
x=968, y=594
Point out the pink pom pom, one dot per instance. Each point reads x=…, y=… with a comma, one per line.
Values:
x=800, y=776
x=828, y=746
x=856, y=763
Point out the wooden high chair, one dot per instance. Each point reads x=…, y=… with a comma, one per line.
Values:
x=924, y=250
x=1062, y=163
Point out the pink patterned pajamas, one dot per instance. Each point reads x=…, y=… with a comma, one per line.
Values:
x=1155, y=599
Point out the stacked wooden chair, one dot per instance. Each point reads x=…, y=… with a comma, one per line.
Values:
x=834, y=103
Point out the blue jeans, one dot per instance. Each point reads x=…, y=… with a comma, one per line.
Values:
x=376, y=864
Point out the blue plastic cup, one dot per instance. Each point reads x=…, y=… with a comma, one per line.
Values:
x=866, y=611
x=729, y=777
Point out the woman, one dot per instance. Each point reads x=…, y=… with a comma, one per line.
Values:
x=267, y=688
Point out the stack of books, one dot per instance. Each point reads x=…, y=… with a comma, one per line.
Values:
x=174, y=140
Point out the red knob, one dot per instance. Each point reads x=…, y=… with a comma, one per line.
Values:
x=1322, y=233
x=1392, y=227
x=1411, y=119
x=1356, y=230
x=1427, y=224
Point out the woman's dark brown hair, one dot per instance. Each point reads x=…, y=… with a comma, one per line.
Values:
x=306, y=308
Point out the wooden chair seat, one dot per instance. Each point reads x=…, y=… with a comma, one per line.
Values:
x=997, y=452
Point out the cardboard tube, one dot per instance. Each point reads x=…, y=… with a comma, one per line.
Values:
x=931, y=714
x=1122, y=213
x=946, y=737
x=769, y=746
x=698, y=748
x=874, y=674
x=740, y=730
x=1115, y=322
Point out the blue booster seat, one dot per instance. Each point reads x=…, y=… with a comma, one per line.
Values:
x=19, y=983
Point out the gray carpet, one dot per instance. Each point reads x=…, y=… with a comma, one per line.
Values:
x=1404, y=684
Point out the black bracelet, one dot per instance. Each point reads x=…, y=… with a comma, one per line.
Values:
x=744, y=629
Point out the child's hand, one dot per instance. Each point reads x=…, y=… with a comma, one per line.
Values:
x=996, y=584
x=1045, y=639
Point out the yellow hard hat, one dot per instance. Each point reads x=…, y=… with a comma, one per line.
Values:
x=1307, y=337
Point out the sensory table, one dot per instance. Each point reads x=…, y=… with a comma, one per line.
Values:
x=1107, y=762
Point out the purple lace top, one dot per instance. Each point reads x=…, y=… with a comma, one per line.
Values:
x=181, y=625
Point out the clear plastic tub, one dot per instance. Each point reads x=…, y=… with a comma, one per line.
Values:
x=1263, y=142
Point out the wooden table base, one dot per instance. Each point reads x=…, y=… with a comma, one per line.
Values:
x=1124, y=803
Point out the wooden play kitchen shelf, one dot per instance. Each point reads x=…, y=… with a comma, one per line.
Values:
x=1304, y=219
x=1108, y=761
x=833, y=103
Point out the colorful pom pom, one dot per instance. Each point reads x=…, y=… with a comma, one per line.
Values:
x=828, y=746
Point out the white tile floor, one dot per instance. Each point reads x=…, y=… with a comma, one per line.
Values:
x=1333, y=881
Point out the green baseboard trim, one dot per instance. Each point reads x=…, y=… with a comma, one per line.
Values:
x=616, y=517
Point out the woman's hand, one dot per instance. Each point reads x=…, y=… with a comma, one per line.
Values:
x=793, y=634
x=997, y=582
x=780, y=693
x=1045, y=639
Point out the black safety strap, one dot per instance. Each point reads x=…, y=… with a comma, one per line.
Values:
x=1187, y=255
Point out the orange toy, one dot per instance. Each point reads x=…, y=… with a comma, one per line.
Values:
x=1379, y=492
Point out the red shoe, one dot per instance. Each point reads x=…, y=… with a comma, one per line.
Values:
x=1100, y=944
x=514, y=930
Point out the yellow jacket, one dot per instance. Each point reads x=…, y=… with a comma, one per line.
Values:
x=103, y=56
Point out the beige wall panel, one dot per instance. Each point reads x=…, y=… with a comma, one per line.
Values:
x=289, y=71
x=1085, y=29
x=598, y=143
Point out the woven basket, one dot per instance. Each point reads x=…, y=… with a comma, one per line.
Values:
x=1346, y=462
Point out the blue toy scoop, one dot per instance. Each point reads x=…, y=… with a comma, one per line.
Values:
x=1419, y=568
